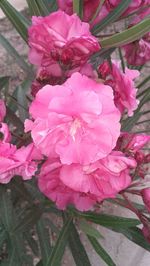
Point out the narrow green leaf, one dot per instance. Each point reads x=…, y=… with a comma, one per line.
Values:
x=6, y=209
x=78, y=7
x=4, y=81
x=3, y=235
x=109, y=220
x=59, y=248
x=43, y=7
x=32, y=243
x=31, y=217
x=22, y=101
x=111, y=17
x=130, y=35
x=135, y=235
x=12, y=51
x=101, y=251
x=51, y=5
x=34, y=8
x=20, y=23
x=44, y=242
x=144, y=82
x=78, y=251
x=89, y=230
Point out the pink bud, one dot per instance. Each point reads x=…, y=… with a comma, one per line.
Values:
x=146, y=197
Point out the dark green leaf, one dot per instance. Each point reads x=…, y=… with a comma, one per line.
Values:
x=17, y=19
x=109, y=220
x=111, y=17
x=77, y=248
x=144, y=82
x=59, y=248
x=22, y=101
x=101, y=251
x=100, y=56
x=4, y=81
x=135, y=235
x=11, y=50
x=31, y=217
x=44, y=240
x=130, y=35
x=78, y=7
x=32, y=243
x=89, y=230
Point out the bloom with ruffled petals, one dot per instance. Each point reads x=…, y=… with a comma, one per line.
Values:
x=51, y=186
x=77, y=121
x=83, y=186
x=122, y=84
x=15, y=161
x=60, y=42
x=138, y=52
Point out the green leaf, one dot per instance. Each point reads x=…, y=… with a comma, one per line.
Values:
x=135, y=235
x=109, y=220
x=31, y=217
x=44, y=242
x=20, y=61
x=22, y=101
x=51, y=5
x=59, y=248
x=34, y=8
x=78, y=251
x=111, y=17
x=144, y=82
x=6, y=210
x=43, y=7
x=78, y=7
x=3, y=235
x=130, y=35
x=32, y=243
x=4, y=81
x=101, y=251
x=20, y=23
x=89, y=230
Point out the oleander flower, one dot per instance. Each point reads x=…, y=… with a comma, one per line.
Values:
x=83, y=186
x=60, y=42
x=2, y=110
x=77, y=120
x=122, y=84
x=138, y=52
x=90, y=8
x=15, y=161
x=51, y=186
x=146, y=197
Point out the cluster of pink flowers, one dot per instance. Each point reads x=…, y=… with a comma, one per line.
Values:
x=75, y=114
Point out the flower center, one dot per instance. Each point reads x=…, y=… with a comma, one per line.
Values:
x=74, y=127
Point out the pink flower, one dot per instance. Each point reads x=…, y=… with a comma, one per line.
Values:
x=77, y=121
x=138, y=53
x=2, y=110
x=84, y=185
x=60, y=42
x=50, y=184
x=15, y=161
x=90, y=7
x=122, y=84
x=146, y=197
